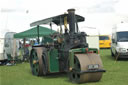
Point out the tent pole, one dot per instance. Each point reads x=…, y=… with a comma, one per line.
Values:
x=38, y=33
x=51, y=26
x=24, y=42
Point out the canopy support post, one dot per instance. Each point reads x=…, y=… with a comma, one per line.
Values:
x=38, y=33
x=51, y=26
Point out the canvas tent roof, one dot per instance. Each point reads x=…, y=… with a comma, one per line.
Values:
x=31, y=33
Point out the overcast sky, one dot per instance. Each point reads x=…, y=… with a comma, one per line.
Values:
x=16, y=15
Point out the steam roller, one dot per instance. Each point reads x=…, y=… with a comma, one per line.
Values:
x=65, y=51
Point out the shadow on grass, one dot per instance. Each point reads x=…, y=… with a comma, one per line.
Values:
x=122, y=59
x=108, y=55
x=105, y=48
x=56, y=75
x=62, y=75
x=114, y=59
x=52, y=75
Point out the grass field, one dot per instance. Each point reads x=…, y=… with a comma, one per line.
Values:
x=117, y=74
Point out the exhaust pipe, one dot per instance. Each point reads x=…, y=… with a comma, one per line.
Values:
x=71, y=19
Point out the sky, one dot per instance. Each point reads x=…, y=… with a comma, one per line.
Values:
x=100, y=15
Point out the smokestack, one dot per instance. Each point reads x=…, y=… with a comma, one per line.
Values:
x=71, y=19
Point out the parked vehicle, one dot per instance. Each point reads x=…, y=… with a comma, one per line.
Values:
x=2, y=57
x=11, y=46
x=66, y=52
x=119, y=46
x=105, y=41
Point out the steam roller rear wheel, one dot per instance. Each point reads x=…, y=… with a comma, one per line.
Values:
x=81, y=62
x=36, y=61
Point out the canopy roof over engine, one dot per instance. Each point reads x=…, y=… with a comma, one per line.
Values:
x=58, y=20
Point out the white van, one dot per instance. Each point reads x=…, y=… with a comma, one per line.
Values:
x=11, y=46
x=119, y=46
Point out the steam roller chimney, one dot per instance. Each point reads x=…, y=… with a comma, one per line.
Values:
x=71, y=19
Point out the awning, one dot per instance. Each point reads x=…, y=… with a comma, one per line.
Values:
x=31, y=33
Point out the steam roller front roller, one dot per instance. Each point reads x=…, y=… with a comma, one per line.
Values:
x=87, y=68
x=36, y=61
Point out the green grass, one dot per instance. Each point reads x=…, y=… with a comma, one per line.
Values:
x=117, y=74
